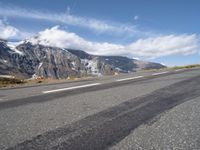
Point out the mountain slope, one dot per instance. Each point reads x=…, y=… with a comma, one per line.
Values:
x=10, y=61
x=26, y=60
x=120, y=63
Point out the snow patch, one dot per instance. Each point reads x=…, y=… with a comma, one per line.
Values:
x=3, y=60
x=34, y=76
x=7, y=76
x=119, y=69
x=136, y=58
x=91, y=65
x=13, y=45
x=40, y=65
x=73, y=65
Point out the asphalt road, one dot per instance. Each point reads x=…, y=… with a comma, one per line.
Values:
x=108, y=113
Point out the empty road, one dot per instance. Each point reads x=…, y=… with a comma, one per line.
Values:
x=152, y=110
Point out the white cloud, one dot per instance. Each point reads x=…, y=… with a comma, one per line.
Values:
x=136, y=17
x=148, y=48
x=10, y=32
x=166, y=45
x=7, y=31
x=69, y=19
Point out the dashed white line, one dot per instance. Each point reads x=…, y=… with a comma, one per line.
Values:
x=71, y=88
x=125, y=79
x=94, y=84
x=159, y=73
x=179, y=70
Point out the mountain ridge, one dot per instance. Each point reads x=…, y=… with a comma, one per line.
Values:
x=30, y=60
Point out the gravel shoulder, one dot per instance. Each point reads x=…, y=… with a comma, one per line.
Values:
x=178, y=128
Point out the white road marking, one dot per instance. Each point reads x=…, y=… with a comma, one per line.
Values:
x=179, y=70
x=125, y=79
x=94, y=84
x=71, y=88
x=159, y=73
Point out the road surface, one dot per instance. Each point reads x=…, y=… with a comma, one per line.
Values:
x=134, y=111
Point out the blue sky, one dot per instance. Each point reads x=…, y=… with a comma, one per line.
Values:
x=156, y=30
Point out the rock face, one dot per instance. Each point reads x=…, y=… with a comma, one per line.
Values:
x=13, y=62
x=51, y=62
x=119, y=63
x=147, y=65
x=26, y=60
x=36, y=60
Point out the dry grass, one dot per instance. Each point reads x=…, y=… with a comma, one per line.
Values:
x=4, y=82
x=173, y=68
x=186, y=67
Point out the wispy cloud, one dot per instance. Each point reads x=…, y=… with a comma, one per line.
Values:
x=136, y=17
x=100, y=26
x=147, y=48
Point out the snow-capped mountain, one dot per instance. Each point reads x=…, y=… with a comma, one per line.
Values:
x=34, y=57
